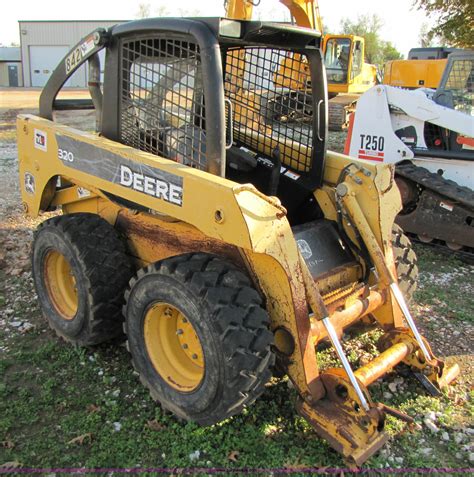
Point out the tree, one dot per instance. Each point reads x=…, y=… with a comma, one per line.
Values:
x=427, y=38
x=143, y=10
x=377, y=51
x=389, y=52
x=162, y=11
x=455, y=20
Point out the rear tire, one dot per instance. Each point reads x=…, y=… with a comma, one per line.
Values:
x=405, y=261
x=80, y=270
x=226, y=324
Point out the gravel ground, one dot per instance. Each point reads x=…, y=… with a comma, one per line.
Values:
x=444, y=306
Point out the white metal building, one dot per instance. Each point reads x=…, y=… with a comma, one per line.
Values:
x=10, y=66
x=45, y=43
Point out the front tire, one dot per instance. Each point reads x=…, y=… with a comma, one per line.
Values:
x=198, y=336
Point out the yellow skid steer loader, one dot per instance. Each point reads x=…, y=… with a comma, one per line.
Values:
x=221, y=239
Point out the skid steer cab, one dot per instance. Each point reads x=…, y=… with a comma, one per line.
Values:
x=222, y=240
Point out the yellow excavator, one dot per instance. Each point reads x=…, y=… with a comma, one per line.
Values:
x=348, y=76
x=423, y=69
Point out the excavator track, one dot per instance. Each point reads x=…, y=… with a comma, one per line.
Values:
x=339, y=109
x=443, y=216
x=465, y=255
x=436, y=183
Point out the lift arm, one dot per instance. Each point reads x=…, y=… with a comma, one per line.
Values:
x=417, y=105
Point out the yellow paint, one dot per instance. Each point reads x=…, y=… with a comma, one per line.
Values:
x=61, y=284
x=306, y=14
x=414, y=73
x=234, y=221
x=173, y=347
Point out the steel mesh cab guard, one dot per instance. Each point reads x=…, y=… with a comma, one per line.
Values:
x=156, y=66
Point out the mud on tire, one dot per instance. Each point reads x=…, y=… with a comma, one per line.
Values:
x=85, y=252
x=229, y=321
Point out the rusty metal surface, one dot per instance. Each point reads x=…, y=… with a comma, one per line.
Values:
x=344, y=318
x=338, y=278
x=435, y=370
x=339, y=418
x=383, y=363
x=151, y=238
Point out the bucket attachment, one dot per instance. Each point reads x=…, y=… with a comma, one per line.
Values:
x=354, y=425
x=345, y=414
x=341, y=419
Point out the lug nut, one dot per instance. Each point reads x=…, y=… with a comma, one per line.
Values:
x=185, y=320
x=179, y=332
x=194, y=356
x=185, y=346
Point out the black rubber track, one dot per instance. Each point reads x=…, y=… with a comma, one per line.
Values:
x=430, y=180
x=406, y=262
x=232, y=310
x=98, y=258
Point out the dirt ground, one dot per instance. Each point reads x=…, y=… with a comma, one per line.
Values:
x=27, y=98
x=86, y=405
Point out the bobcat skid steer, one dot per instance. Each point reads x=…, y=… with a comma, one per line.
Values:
x=217, y=239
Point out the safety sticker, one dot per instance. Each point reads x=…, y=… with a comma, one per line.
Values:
x=446, y=206
x=82, y=192
x=305, y=249
x=292, y=175
x=29, y=183
x=41, y=140
x=74, y=59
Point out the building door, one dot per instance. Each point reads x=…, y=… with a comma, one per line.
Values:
x=45, y=59
x=13, y=75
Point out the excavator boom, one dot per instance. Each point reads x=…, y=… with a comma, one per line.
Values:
x=305, y=12
x=347, y=74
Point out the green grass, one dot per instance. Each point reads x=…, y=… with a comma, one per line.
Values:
x=52, y=393
x=446, y=283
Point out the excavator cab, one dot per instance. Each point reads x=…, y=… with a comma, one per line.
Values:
x=345, y=67
x=336, y=59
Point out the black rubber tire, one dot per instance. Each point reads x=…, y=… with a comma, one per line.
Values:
x=101, y=268
x=226, y=313
x=405, y=261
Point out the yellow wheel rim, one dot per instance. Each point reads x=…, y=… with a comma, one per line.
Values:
x=61, y=284
x=173, y=347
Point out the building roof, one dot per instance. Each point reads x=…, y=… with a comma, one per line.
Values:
x=73, y=21
x=10, y=53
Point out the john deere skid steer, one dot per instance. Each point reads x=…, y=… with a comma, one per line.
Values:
x=220, y=240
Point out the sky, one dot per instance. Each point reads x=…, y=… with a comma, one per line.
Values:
x=401, y=21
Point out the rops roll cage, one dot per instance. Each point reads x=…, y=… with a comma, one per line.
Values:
x=214, y=36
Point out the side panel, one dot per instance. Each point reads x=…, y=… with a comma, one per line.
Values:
x=210, y=207
x=414, y=73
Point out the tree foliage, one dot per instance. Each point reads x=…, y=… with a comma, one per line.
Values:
x=165, y=9
x=377, y=51
x=455, y=21
x=143, y=10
